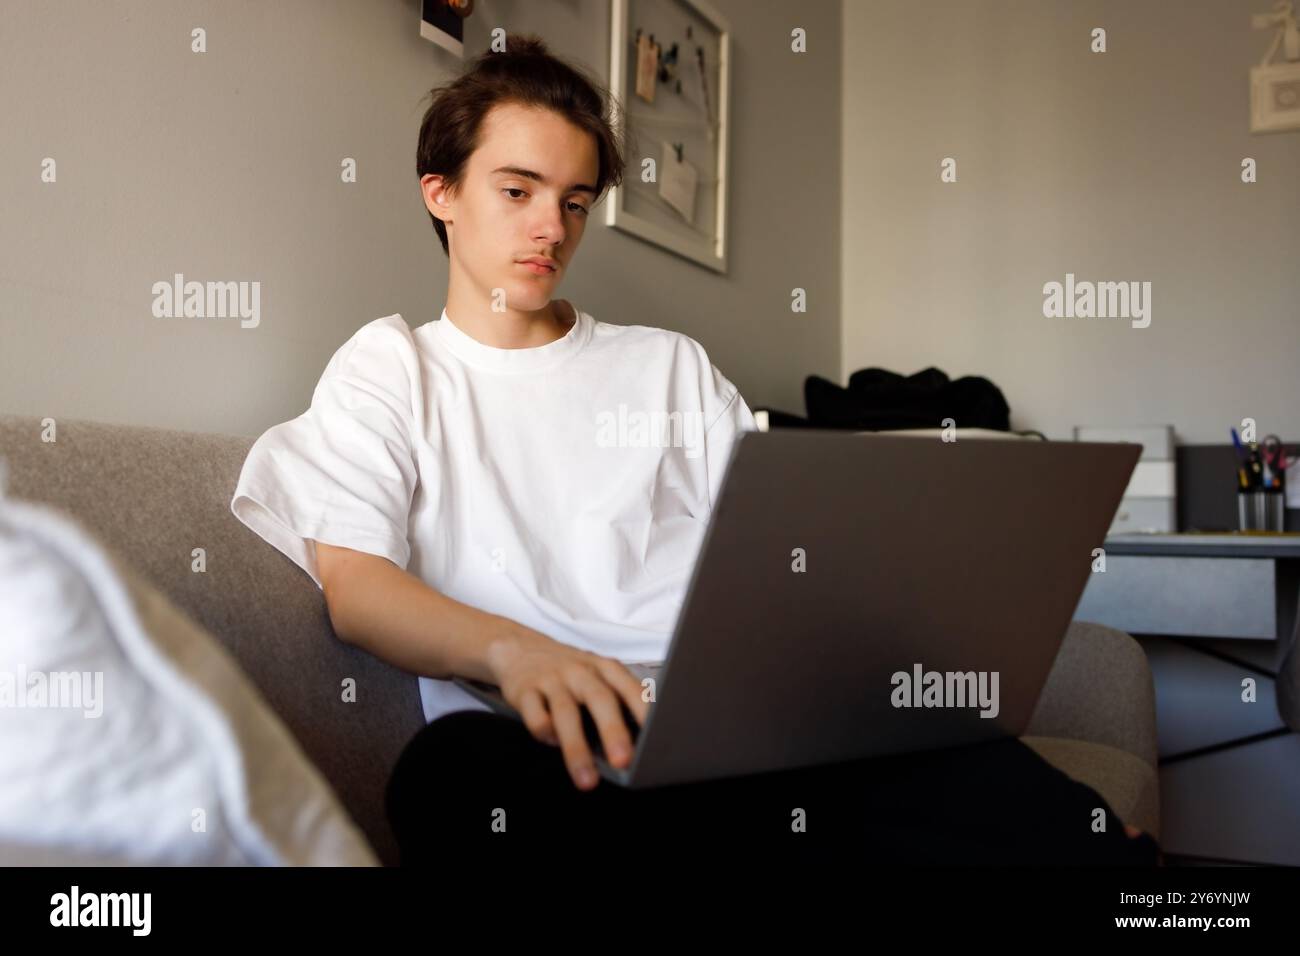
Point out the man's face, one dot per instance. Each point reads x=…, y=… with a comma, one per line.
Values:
x=502, y=214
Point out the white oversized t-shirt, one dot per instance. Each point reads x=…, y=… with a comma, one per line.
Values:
x=566, y=486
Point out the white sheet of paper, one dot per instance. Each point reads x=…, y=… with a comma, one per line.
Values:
x=677, y=183
x=1292, y=483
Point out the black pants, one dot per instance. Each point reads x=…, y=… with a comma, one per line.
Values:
x=479, y=783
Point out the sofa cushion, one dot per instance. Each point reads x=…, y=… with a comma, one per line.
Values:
x=129, y=736
x=1126, y=782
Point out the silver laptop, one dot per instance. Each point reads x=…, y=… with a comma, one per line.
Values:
x=857, y=595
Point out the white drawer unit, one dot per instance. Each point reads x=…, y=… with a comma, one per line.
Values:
x=1149, y=502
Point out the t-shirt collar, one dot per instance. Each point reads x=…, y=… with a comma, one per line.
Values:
x=474, y=352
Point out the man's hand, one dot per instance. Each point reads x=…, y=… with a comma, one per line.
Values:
x=399, y=618
x=548, y=681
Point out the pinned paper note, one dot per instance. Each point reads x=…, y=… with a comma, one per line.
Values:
x=678, y=180
x=647, y=64
x=1292, y=483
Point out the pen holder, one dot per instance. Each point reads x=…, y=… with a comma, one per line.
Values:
x=1274, y=510
x=1261, y=510
x=1250, y=510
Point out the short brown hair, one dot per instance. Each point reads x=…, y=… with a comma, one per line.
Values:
x=525, y=74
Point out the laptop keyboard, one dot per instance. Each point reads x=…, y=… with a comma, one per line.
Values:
x=644, y=669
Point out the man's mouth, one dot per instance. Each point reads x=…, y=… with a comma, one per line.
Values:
x=541, y=265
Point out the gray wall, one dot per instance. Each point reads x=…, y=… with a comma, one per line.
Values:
x=1116, y=166
x=225, y=166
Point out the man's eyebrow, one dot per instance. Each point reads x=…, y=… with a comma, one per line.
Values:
x=530, y=174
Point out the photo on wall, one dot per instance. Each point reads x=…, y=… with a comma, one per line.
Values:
x=443, y=23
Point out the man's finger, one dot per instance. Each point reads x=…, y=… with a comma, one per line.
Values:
x=627, y=684
x=573, y=741
x=535, y=716
x=592, y=691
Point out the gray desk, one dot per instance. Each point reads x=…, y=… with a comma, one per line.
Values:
x=1241, y=586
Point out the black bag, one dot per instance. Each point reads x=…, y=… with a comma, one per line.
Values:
x=880, y=400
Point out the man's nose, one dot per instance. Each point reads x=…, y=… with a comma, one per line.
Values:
x=550, y=230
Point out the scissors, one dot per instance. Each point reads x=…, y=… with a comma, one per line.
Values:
x=1274, y=453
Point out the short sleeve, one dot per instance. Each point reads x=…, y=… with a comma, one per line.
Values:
x=344, y=472
x=735, y=418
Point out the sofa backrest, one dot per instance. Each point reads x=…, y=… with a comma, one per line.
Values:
x=152, y=496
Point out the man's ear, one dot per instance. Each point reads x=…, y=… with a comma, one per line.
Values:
x=435, y=196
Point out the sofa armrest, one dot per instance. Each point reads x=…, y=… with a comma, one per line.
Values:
x=1099, y=690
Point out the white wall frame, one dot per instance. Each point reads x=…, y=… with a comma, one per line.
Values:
x=707, y=250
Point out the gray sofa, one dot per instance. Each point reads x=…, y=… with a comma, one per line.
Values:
x=152, y=495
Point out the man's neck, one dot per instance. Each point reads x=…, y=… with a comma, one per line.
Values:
x=513, y=329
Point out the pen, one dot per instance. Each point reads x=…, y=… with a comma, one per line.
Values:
x=1236, y=443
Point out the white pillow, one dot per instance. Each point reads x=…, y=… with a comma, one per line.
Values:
x=150, y=745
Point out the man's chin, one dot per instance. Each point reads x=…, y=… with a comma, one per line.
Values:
x=526, y=296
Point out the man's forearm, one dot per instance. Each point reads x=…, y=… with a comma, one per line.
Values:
x=375, y=605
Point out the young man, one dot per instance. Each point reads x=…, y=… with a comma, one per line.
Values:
x=470, y=502
x=462, y=492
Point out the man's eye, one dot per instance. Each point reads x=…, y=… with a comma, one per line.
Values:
x=575, y=206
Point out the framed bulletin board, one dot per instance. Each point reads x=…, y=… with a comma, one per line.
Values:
x=670, y=81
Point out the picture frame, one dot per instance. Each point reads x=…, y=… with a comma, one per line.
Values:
x=683, y=207
x=441, y=24
x=1275, y=98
